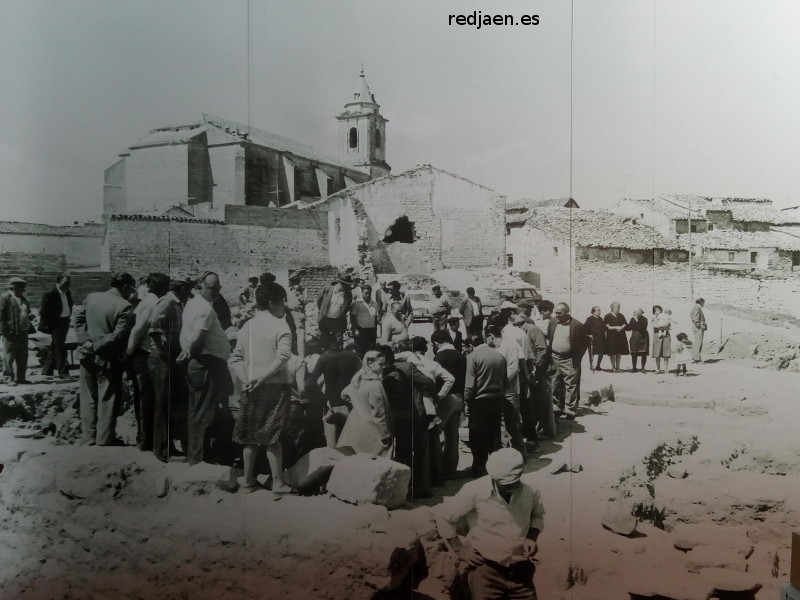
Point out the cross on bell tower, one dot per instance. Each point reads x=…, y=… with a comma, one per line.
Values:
x=362, y=132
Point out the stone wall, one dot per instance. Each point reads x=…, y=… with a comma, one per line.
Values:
x=78, y=251
x=775, y=294
x=457, y=224
x=236, y=252
x=39, y=270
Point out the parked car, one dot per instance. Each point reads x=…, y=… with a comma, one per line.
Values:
x=420, y=304
x=519, y=295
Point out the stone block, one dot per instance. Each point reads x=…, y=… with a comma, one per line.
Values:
x=688, y=537
x=727, y=582
x=314, y=469
x=618, y=519
x=708, y=556
x=366, y=479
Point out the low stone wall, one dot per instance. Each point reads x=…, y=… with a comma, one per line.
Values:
x=672, y=281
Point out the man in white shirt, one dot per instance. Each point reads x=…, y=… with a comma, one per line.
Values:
x=506, y=516
x=206, y=347
x=514, y=332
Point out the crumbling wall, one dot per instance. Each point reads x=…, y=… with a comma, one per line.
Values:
x=472, y=217
x=236, y=252
x=456, y=224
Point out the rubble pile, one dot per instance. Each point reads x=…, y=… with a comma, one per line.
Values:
x=766, y=349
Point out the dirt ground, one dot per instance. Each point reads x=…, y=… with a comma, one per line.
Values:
x=709, y=462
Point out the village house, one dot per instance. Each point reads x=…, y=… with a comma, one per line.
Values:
x=732, y=233
x=733, y=250
x=419, y=221
x=552, y=241
x=209, y=162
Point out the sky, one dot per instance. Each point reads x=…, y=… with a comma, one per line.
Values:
x=600, y=100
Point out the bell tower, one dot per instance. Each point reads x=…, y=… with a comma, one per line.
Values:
x=362, y=132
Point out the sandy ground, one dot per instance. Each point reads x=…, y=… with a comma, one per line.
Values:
x=712, y=457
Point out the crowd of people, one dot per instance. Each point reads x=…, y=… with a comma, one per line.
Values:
x=212, y=388
x=364, y=383
x=607, y=336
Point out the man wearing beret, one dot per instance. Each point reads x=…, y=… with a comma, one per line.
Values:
x=505, y=516
x=15, y=325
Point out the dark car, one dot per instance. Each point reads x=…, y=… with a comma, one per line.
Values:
x=518, y=295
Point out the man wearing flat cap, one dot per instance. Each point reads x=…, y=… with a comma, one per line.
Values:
x=505, y=516
x=15, y=325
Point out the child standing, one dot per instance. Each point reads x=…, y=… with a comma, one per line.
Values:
x=682, y=351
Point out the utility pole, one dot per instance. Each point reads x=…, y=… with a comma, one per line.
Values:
x=691, y=273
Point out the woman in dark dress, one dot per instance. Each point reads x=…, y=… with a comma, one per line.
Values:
x=596, y=331
x=616, y=339
x=640, y=338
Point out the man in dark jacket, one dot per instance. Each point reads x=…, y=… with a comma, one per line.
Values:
x=54, y=318
x=566, y=345
x=102, y=327
x=404, y=385
x=15, y=325
x=337, y=366
x=450, y=408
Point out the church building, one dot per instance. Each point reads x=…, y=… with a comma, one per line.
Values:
x=209, y=162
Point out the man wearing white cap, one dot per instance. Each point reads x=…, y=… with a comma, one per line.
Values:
x=505, y=517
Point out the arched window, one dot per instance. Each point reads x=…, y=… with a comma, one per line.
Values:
x=377, y=138
x=353, y=137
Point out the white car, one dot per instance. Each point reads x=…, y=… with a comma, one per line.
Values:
x=420, y=301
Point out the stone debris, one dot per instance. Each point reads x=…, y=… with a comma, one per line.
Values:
x=567, y=468
x=676, y=588
x=677, y=472
x=314, y=469
x=713, y=556
x=765, y=560
x=727, y=582
x=690, y=536
x=366, y=479
x=618, y=519
x=161, y=486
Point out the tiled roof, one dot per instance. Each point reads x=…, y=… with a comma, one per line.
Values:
x=727, y=239
x=222, y=130
x=590, y=228
x=151, y=217
x=19, y=228
x=225, y=131
x=674, y=207
x=750, y=212
x=742, y=209
x=173, y=134
x=409, y=173
x=528, y=203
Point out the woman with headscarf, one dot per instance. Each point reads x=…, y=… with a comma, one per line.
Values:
x=596, y=332
x=262, y=352
x=362, y=321
x=616, y=340
x=369, y=425
x=640, y=338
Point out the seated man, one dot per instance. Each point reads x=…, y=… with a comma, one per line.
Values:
x=505, y=517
